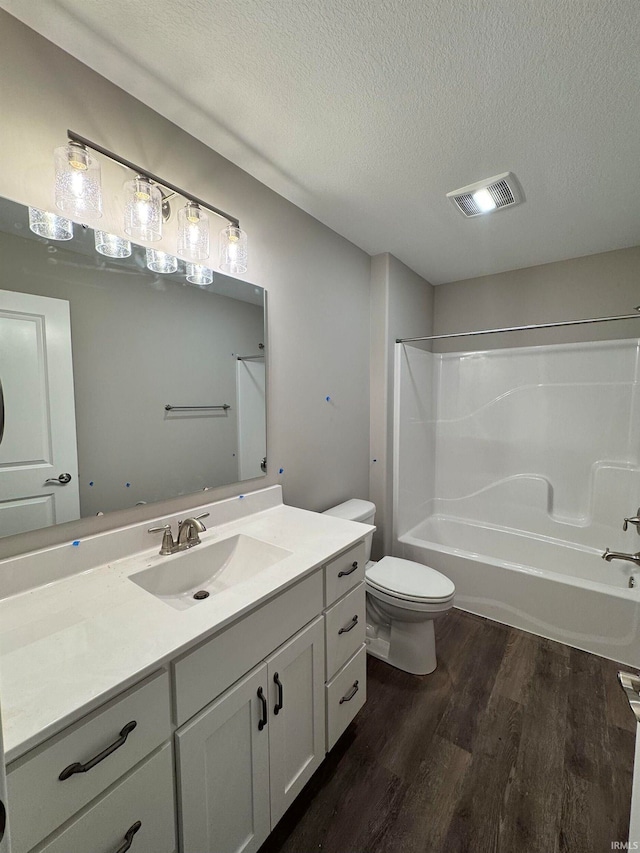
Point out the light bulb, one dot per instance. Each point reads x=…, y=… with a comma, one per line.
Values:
x=484, y=200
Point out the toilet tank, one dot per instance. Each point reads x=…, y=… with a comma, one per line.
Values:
x=356, y=510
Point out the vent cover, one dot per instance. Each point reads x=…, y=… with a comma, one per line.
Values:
x=503, y=190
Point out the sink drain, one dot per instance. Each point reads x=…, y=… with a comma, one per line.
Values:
x=201, y=594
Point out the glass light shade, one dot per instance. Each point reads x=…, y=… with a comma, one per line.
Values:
x=78, y=188
x=193, y=232
x=197, y=274
x=158, y=261
x=50, y=225
x=111, y=245
x=233, y=250
x=143, y=210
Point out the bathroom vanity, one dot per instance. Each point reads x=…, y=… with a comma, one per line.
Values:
x=139, y=718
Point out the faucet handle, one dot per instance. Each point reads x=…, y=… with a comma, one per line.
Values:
x=206, y=515
x=168, y=545
x=635, y=520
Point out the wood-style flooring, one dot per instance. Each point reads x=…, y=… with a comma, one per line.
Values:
x=514, y=744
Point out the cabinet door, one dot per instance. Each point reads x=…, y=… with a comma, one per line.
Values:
x=296, y=715
x=223, y=772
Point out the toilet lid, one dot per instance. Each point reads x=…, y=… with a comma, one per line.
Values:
x=406, y=579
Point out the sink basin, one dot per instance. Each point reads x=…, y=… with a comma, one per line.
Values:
x=208, y=569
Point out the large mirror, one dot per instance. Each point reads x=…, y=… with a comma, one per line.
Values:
x=119, y=386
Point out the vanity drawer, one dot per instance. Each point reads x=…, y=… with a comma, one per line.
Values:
x=145, y=797
x=345, y=625
x=346, y=694
x=343, y=573
x=203, y=674
x=39, y=801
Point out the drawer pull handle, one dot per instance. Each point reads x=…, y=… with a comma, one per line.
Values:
x=263, y=720
x=128, y=837
x=354, y=566
x=351, y=693
x=350, y=626
x=279, y=704
x=83, y=768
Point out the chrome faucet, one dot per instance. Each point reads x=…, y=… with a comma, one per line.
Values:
x=189, y=531
x=616, y=555
x=188, y=534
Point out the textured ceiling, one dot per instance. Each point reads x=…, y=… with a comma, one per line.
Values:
x=366, y=112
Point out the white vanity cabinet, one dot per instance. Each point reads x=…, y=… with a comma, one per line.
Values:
x=206, y=753
x=242, y=761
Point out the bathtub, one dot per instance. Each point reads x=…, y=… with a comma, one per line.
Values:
x=542, y=585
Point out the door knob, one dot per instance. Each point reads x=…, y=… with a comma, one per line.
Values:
x=62, y=480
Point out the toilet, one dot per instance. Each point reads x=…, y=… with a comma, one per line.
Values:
x=403, y=600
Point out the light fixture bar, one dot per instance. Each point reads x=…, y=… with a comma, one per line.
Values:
x=75, y=137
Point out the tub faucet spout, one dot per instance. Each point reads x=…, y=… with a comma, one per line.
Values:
x=616, y=555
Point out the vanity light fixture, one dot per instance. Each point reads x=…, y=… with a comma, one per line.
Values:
x=233, y=250
x=146, y=206
x=161, y=262
x=111, y=245
x=50, y=225
x=197, y=274
x=193, y=232
x=78, y=187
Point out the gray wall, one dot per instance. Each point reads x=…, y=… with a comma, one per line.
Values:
x=401, y=306
x=594, y=286
x=317, y=282
x=140, y=341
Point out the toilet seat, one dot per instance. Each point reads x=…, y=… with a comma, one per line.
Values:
x=405, y=581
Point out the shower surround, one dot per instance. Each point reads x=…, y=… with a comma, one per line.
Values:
x=513, y=471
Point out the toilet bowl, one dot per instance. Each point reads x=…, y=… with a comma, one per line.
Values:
x=403, y=600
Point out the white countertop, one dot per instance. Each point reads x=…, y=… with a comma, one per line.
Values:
x=69, y=646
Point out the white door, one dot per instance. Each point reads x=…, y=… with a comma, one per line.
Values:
x=297, y=720
x=223, y=766
x=252, y=446
x=37, y=414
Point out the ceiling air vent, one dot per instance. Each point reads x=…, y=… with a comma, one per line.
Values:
x=488, y=195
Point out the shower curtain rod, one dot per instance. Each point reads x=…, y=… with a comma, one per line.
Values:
x=523, y=328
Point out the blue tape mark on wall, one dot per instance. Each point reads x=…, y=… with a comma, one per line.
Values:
x=281, y=471
x=91, y=482
x=128, y=485
x=76, y=543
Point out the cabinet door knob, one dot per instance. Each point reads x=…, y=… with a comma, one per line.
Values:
x=263, y=720
x=279, y=704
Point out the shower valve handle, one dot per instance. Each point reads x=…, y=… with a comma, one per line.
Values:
x=635, y=520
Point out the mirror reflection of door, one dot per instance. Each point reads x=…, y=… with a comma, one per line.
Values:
x=38, y=445
x=252, y=446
